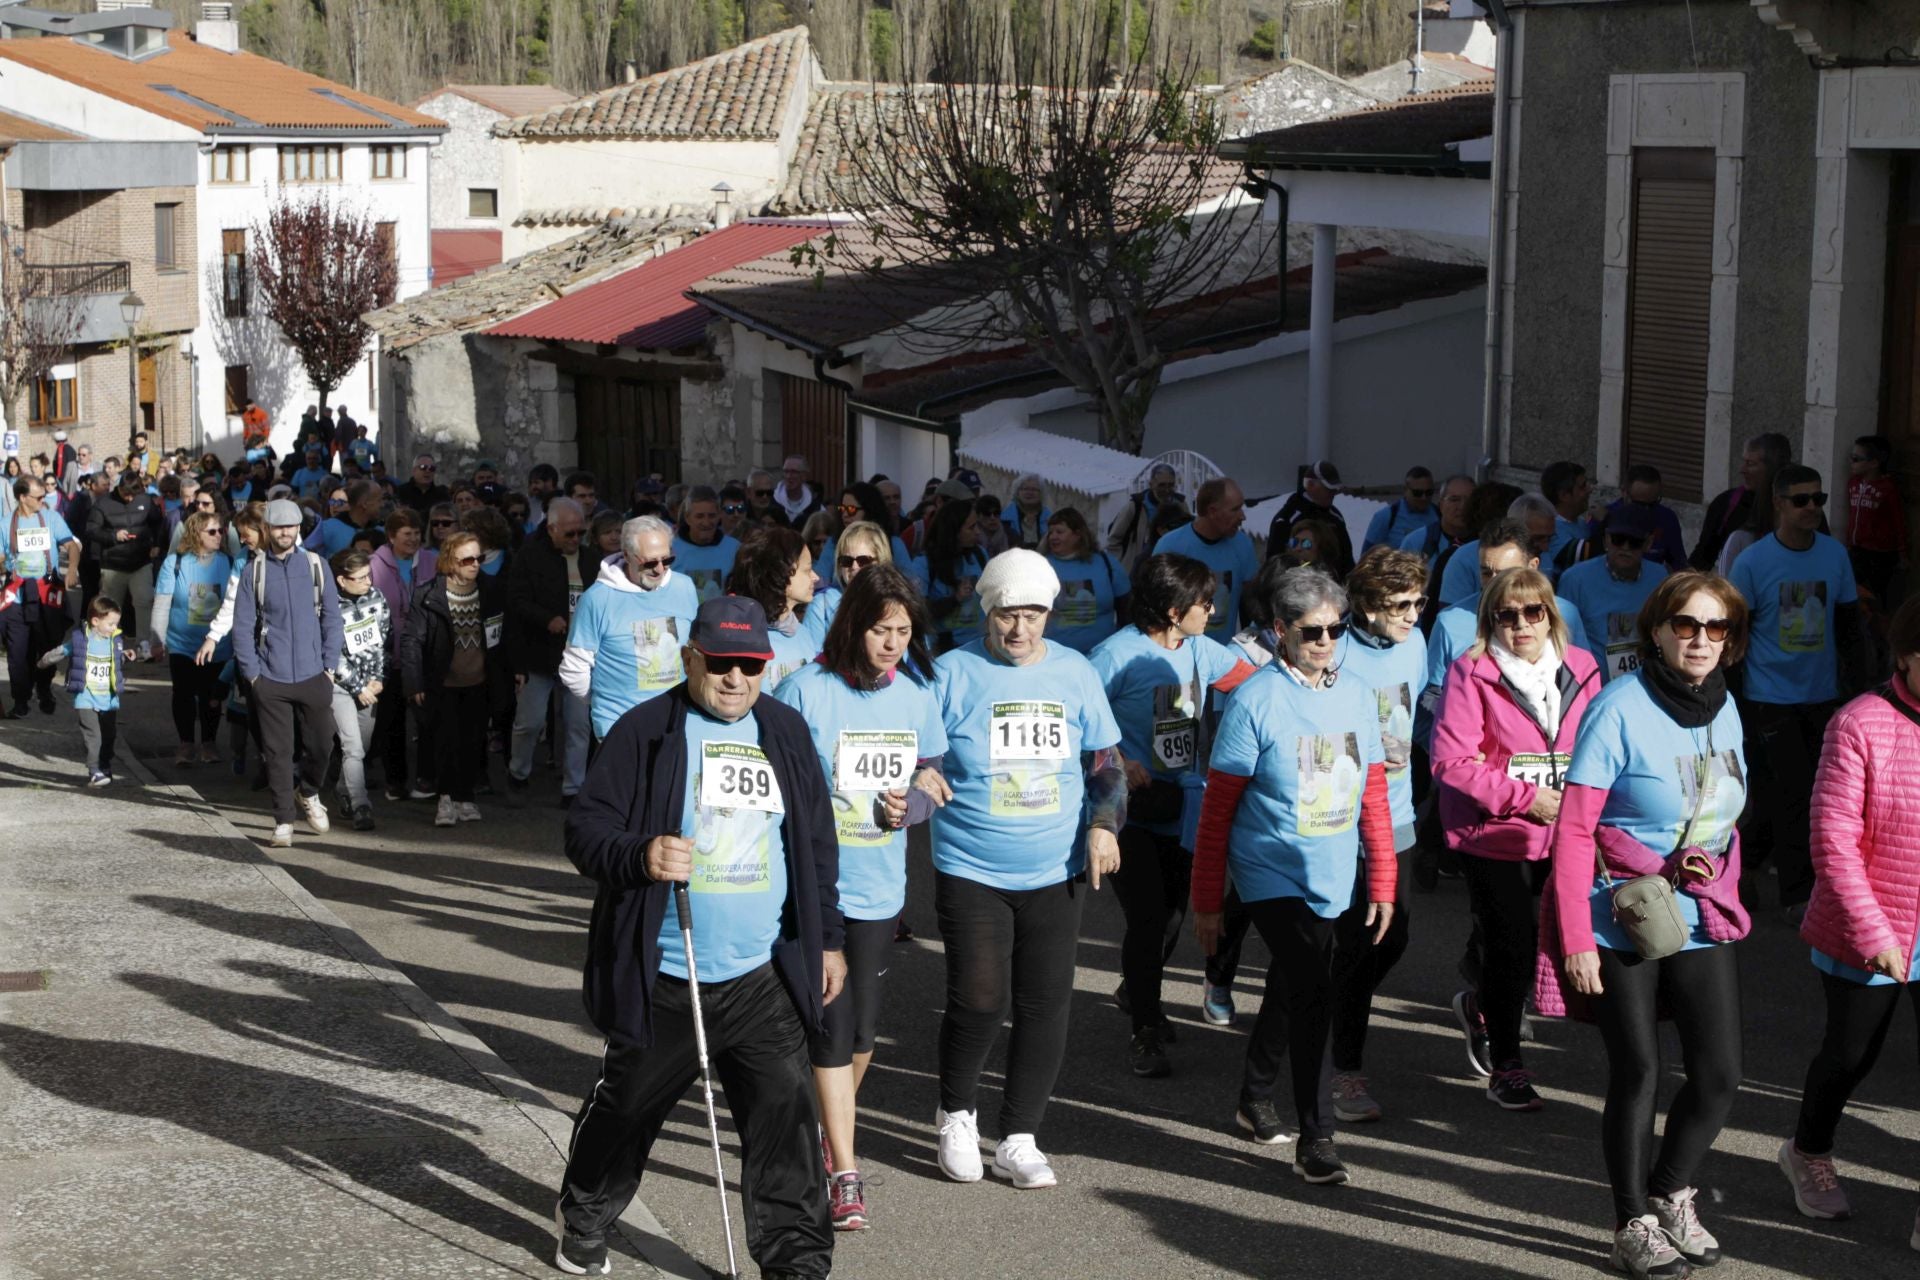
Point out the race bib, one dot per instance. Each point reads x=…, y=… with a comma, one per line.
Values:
x=573, y=600
x=1077, y=605
x=1623, y=644
x=738, y=775
x=100, y=675
x=1541, y=768
x=1027, y=731
x=1395, y=702
x=32, y=541
x=1174, y=742
x=495, y=626
x=1329, y=781
x=874, y=759
x=363, y=636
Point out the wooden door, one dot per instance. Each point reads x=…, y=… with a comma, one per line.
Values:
x=628, y=428
x=813, y=424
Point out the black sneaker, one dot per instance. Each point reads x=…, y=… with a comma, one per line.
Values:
x=1148, y=1053
x=1316, y=1161
x=1512, y=1087
x=1466, y=1011
x=363, y=818
x=517, y=785
x=396, y=793
x=1261, y=1119
x=46, y=704
x=580, y=1255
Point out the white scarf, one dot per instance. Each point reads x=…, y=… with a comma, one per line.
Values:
x=1536, y=683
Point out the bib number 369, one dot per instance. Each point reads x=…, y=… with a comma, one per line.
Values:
x=737, y=775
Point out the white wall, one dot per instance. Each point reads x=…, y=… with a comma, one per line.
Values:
x=906, y=454
x=466, y=156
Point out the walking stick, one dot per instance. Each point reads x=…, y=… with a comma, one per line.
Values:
x=684, y=908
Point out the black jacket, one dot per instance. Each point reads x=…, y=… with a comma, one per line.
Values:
x=409, y=494
x=636, y=791
x=536, y=595
x=111, y=514
x=426, y=646
x=1300, y=507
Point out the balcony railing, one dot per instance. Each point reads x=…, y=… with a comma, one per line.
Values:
x=77, y=279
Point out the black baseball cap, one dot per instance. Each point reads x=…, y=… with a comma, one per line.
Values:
x=731, y=627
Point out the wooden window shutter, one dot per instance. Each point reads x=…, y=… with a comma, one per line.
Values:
x=813, y=424
x=1669, y=299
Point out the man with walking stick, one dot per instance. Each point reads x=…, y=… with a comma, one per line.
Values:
x=710, y=787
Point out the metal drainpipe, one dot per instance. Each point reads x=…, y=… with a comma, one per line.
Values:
x=1497, y=239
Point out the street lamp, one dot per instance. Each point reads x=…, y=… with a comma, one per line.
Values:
x=132, y=307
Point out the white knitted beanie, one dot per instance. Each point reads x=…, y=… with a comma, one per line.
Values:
x=1017, y=579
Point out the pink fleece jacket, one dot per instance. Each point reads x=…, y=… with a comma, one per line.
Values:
x=1483, y=809
x=1866, y=832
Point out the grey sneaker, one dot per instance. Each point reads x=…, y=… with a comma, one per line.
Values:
x=1352, y=1104
x=1816, y=1184
x=1642, y=1250
x=1681, y=1221
x=446, y=813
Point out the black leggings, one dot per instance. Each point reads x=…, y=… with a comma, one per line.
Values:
x=1000, y=939
x=1224, y=964
x=1152, y=883
x=849, y=1023
x=1296, y=1012
x=1858, y=1017
x=460, y=738
x=1702, y=990
x=1506, y=922
x=197, y=695
x=1359, y=967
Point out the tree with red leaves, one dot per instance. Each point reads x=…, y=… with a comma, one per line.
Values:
x=320, y=267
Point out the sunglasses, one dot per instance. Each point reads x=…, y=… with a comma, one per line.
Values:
x=1802, y=499
x=733, y=508
x=850, y=509
x=215, y=530
x=648, y=566
x=856, y=562
x=1686, y=627
x=1627, y=540
x=425, y=466
x=745, y=666
x=1299, y=544
x=1314, y=635
x=763, y=493
x=1401, y=608
x=463, y=561
x=443, y=524
x=1531, y=614
x=1420, y=493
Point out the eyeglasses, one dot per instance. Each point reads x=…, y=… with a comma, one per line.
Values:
x=1314, y=635
x=425, y=466
x=1531, y=614
x=727, y=666
x=213, y=529
x=763, y=493
x=1420, y=493
x=464, y=561
x=1686, y=627
x=856, y=562
x=1624, y=540
x=1410, y=604
x=850, y=509
x=648, y=566
x=733, y=508
x=1802, y=499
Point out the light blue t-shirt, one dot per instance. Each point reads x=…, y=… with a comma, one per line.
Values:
x=306, y=481
x=1394, y=523
x=1656, y=774
x=331, y=536
x=1233, y=562
x=1416, y=542
x=1396, y=673
x=826, y=603
x=1564, y=531
x=1159, y=697
x=635, y=639
x=197, y=587
x=867, y=742
x=1307, y=752
x=36, y=539
x=1083, y=611
x=1014, y=740
x=1791, y=657
x=1461, y=581
x=1609, y=610
x=98, y=689
x=705, y=567
x=739, y=883
x=1827, y=964
x=790, y=654
x=965, y=622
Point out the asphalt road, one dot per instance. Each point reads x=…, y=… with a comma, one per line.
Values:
x=489, y=919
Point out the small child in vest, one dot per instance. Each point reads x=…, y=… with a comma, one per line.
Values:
x=94, y=655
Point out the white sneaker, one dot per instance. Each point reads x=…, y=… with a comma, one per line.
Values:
x=1642, y=1250
x=469, y=812
x=959, y=1144
x=314, y=810
x=446, y=813
x=1680, y=1220
x=1019, y=1161
x=282, y=836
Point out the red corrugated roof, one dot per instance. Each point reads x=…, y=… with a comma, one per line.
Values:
x=461, y=253
x=647, y=307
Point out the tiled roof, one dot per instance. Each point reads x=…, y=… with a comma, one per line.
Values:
x=739, y=94
x=646, y=306
x=1293, y=93
x=1416, y=131
x=586, y=215
x=22, y=129
x=208, y=89
x=1438, y=71
x=507, y=99
x=490, y=296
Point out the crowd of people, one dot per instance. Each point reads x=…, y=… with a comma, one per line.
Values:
x=756, y=689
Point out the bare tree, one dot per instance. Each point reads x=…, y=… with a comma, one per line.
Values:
x=1080, y=205
x=320, y=267
x=41, y=310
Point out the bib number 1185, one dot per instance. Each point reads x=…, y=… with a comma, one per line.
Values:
x=1028, y=731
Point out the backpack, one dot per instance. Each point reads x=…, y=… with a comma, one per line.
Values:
x=258, y=570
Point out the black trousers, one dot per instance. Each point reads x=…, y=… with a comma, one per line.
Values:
x=1296, y=1012
x=460, y=738
x=852, y=1021
x=390, y=731
x=1783, y=748
x=1360, y=965
x=197, y=695
x=1858, y=1018
x=1002, y=943
x=1702, y=989
x=1506, y=924
x=28, y=630
x=1224, y=964
x=278, y=706
x=757, y=1046
x=1153, y=880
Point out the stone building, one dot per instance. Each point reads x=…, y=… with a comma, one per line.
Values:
x=468, y=217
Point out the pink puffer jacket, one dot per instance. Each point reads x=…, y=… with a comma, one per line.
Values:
x=1483, y=807
x=1866, y=832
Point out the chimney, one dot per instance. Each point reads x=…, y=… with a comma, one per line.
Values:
x=216, y=28
x=629, y=72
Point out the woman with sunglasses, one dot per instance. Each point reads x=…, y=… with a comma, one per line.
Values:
x=1503, y=734
x=861, y=501
x=1027, y=519
x=733, y=512
x=1296, y=786
x=954, y=563
x=775, y=569
x=1656, y=786
x=1093, y=586
x=869, y=706
x=1384, y=650
x=452, y=664
x=1157, y=672
x=442, y=519
x=865, y=546
x=187, y=595
x=1312, y=542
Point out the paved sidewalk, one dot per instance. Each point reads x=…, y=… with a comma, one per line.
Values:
x=216, y=1077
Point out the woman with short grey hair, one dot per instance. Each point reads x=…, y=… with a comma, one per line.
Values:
x=1296, y=787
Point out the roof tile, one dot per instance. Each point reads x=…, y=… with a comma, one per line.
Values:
x=23, y=129
x=1422, y=124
